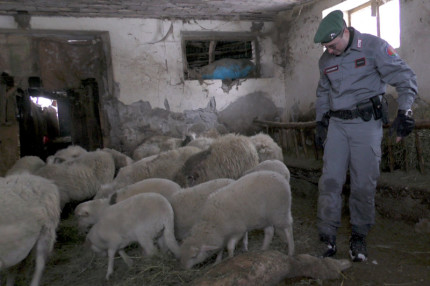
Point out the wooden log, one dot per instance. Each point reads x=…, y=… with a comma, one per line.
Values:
x=419, y=149
x=390, y=155
x=405, y=155
x=296, y=144
x=270, y=268
x=419, y=124
x=302, y=137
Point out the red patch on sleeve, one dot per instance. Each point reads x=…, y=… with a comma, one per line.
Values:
x=391, y=51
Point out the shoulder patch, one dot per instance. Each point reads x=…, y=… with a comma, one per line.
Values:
x=391, y=52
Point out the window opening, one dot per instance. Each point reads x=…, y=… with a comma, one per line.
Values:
x=220, y=59
x=381, y=19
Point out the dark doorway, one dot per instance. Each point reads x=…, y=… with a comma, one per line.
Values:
x=72, y=118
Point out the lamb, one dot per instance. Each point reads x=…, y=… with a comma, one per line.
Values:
x=30, y=213
x=164, y=165
x=187, y=204
x=89, y=212
x=26, y=164
x=140, y=218
x=259, y=200
x=267, y=148
x=272, y=165
x=229, y=156
x=75, y=182
x=71, y=152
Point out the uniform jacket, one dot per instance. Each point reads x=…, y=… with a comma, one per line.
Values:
x=361, y=72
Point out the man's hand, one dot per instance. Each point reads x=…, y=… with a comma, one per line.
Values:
x=320, y=134
x=403, y=124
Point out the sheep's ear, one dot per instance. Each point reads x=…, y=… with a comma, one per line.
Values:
x=87, y=243
x=209, y=247
x=58, y=160
x=190, y=181
x=83, y=214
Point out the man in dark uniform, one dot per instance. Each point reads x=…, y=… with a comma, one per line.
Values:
x=354, y=71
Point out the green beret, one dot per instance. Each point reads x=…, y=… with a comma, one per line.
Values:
x=330, y=27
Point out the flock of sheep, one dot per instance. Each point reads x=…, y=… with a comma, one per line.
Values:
x=193, y=200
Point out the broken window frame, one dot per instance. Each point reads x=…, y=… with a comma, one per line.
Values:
x=378, y=9
x=212, y=38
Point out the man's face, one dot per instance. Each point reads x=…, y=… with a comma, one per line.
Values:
x=337, y=45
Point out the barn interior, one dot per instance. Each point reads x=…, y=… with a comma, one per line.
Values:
x=111, y=74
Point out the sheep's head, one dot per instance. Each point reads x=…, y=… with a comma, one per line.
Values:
x=192, y=253
x=88, y=213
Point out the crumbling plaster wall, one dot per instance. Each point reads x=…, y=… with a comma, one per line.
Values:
x=147, y=61
x=297, y=29
x=415, y=46
x=150, y=94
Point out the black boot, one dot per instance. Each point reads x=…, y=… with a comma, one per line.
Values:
x=357, y=247
x=330, y=242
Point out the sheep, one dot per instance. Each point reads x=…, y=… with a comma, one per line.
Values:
x=101, y=162
x=30, y=213
x=229, y=156
x=75, y=182
x=259, y=200
x=155, y=145
x=140, y=218
x=26, y=164
x=120, y=159
x=89, y=212
x=187, y=204
x=267, y=148
x=71, y=152
x=272, y=165
x=202, y=142
x=164, y=165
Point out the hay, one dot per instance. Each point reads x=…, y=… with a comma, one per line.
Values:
x=404, y=154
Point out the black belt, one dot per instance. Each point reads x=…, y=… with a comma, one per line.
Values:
x=365, y=110
x=345, y=114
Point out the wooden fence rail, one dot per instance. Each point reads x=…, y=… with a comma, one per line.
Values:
x=300, y=127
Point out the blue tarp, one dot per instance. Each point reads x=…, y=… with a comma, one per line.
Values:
x=228, y=69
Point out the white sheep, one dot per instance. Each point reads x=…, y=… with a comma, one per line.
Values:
x=140, y=218
x=101, y=162
x=120, y=159
x=259, y=200
x=71, y=152
x=187, y=204
x=26, y=164
x=155, y=145
x=267, y=148
x=89, y=212
x=30, y=213
x=201, y=142
x=229, y=156
x=164, y=165
x=75, y=182
x=272, y=165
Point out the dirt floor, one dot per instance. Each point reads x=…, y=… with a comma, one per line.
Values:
x=398, y=255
